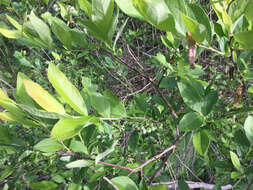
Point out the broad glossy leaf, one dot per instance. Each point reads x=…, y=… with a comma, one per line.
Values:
x=190, y=121
x=245, y=39
x=192, y=93
x=62, y=32
x=248, y=128
x=177, y=7
x=102, y=11
x=197, y=30
x=42, y=29
x=48, y=145
x=124, y=183
x=79, y=164
x=156, y=13
x=42, y=97
x=236, y=162
x=44, y=185
x=128, y=8
x=195, y=12
x=78, y=146
x=66, y=90
x=201, y=142
x=69, y=127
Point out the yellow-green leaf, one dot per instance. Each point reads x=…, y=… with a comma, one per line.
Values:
x=42, y=97
x=68, y=127
x=10, y=33
x=14, y=22
x=67, y=90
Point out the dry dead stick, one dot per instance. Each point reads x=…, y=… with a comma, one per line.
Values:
x=153, y=159
x=193, y=185
x=109, y=181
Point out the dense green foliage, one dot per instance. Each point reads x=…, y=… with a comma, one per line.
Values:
x=126, y=94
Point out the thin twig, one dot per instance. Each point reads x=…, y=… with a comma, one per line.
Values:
x=136, y=60
x=6, y=83
x=192, y=185
x=212, y=49
x=114, y=186
x=153, y=159
x=116, y=166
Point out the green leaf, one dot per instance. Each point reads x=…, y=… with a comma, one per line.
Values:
x=79, y=164
x=42, y=29
x=69, y=127
x=245, y=39
x=197, y=30
x=8, y=116
x=22, y=96
x=190, y=121
x=48, y=145
x=117, y=109
x=182, y=185
x=86, y=6
x=201, y=142
x=177, y=7
x=248, y=128
x=6, y=173
x=209, y=102
x=128, y=8
x=197, y=13
x=40, y=113
x=238, y=8
x=250, y=89
x=44, y=185
x=107, y=152
x=156, y=13
x=78, y=146
x=158, y=187
x=100, y=104
x=5, y=136
x=236, y=162
x=192, y=93
x=66, y=90
x=236, y=175
x=13, y=34
x=124, y=183
x=14, y=23
x=42, y=97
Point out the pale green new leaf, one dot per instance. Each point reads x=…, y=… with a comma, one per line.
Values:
x=14, y=22
x=42, y=97
x=79, y=164
x=248, y=128
x=67, y=90
x=236, y=161
x=124, y=183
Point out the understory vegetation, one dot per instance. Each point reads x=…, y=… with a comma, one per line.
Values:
x=126, y=94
